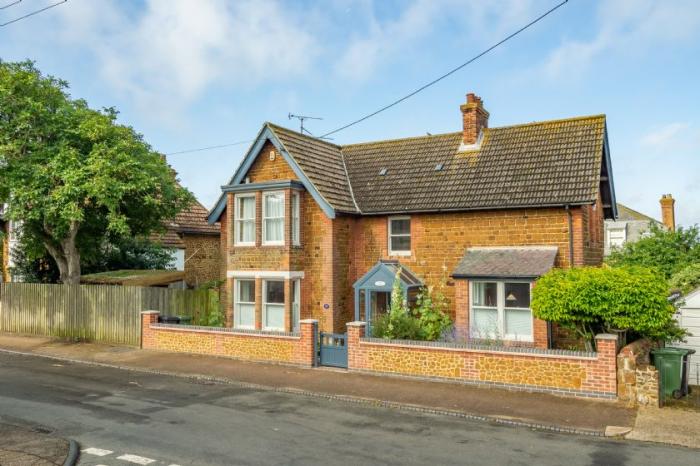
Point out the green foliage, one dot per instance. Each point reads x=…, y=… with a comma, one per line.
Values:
x=427, y=321
x=667, y=251
x=72, y=175
x=216, y=317
x=591, y=300
x=122, y=254
x=687, y=279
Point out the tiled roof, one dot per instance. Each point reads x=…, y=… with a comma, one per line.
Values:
x=192, y=220
x=626, y=214
x=322, y=162
x=517, y=262
x=536, y=164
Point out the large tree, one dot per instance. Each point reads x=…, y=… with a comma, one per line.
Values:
x=73, y=176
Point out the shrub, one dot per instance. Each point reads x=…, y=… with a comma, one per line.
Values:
x=431, y=311
x=590, y=300
x=687, y=279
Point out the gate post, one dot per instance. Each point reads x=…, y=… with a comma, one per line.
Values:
x=356, y=330
x=309, y=340
x=148, y=318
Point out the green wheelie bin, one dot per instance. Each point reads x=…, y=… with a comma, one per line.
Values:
x=669, y=363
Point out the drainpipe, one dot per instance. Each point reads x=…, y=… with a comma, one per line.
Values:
x=571, y=235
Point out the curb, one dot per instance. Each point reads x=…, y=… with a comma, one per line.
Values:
x=73, y=454
x=326, y=396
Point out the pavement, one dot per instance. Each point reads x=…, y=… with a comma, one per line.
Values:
x=126, y=417
x=22, y=446
x=671, y=425
x=511, y=407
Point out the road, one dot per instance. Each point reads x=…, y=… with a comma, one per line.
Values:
x=139, y=418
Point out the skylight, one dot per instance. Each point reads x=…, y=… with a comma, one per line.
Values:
x=439, y=167
x=383, y=172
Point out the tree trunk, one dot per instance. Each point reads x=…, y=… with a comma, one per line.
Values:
x=66, y=255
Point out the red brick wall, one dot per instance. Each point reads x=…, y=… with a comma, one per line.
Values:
x=296, y=350
x=203, y=258
x=564, y=374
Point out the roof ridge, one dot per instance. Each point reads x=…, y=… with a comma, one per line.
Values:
x=381, y=141
x=556, y=120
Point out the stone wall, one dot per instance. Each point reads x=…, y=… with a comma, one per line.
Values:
x=246, y=345
x=637, y=379
x=560, y=372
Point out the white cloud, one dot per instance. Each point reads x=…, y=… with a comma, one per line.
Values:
x=665, y=134
x=628, y=26
x=386, y=40
x=168, y=53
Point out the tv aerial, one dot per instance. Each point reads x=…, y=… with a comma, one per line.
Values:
x=301, y=119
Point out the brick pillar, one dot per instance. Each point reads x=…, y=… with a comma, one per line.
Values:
x=540, y=333
x=462, y=309
x=258, y=303
x=309, y=338
x=227, y=296
x=148, y=318
x=356, y=330
x=287, y=305
x=606, y=369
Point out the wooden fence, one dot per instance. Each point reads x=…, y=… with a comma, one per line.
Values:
x=101, y=313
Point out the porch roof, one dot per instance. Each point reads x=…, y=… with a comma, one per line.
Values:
x=384, y=271
x=506, y=262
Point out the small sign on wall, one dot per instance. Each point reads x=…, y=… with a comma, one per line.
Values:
x=379, y=283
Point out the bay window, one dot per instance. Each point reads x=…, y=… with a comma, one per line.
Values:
x=295, y=219
x=244, y=304
x=244, y=220
x=273, y=305
x=273, y=218
x=501, y=310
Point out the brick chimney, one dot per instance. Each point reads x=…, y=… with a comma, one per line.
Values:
x=668, y=211
x=474, y=118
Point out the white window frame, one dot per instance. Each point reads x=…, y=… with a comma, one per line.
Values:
x=296, y=304
x=237, y=302
x=296, y=219
x=265, y=304
x=264, y=217
x=237, y=221
x=616, y=230
x=501, y=310
x=390, y=234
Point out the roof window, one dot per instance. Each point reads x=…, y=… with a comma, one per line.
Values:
x=439, y=167
x=383, y=172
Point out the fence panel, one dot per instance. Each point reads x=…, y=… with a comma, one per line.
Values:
x=102, y=313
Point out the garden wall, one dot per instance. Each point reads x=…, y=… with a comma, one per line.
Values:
x=637, y=378
x=562, y=372
x=250, y=345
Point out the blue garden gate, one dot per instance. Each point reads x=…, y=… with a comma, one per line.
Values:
x=333, y=349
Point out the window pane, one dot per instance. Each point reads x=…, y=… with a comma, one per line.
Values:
x=274, y=206
x=246, y=207
x=246, y=291
x=274, y=317
x=485, y=323
x=517, y=295
x=274, y=229
x=518, y=323
x=246, y=315
x=485, y=294
x=247, y=231
x=295, y=218
x=401, y=226
x=274, y=292
x=400, y=243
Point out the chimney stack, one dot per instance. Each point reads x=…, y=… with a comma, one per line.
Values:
x=668, y=211
x=474, y=119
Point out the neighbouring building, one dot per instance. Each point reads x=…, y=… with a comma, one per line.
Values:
x=311, y=229
x=195, y=245
x=630, y=225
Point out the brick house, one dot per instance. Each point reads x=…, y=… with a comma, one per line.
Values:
x=311, y=229
x=194, y=243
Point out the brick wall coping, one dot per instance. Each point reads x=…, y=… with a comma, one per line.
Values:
x=470, y=347
x=225, y=330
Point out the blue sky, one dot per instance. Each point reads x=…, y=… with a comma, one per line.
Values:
x=189, y=74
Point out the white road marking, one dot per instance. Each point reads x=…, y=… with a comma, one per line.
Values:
x=136, y=459
x=97, y=451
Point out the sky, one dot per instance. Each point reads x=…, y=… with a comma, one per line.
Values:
x=196, y=73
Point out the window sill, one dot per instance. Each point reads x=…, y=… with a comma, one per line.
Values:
x=244, y=245
x=399, y=253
